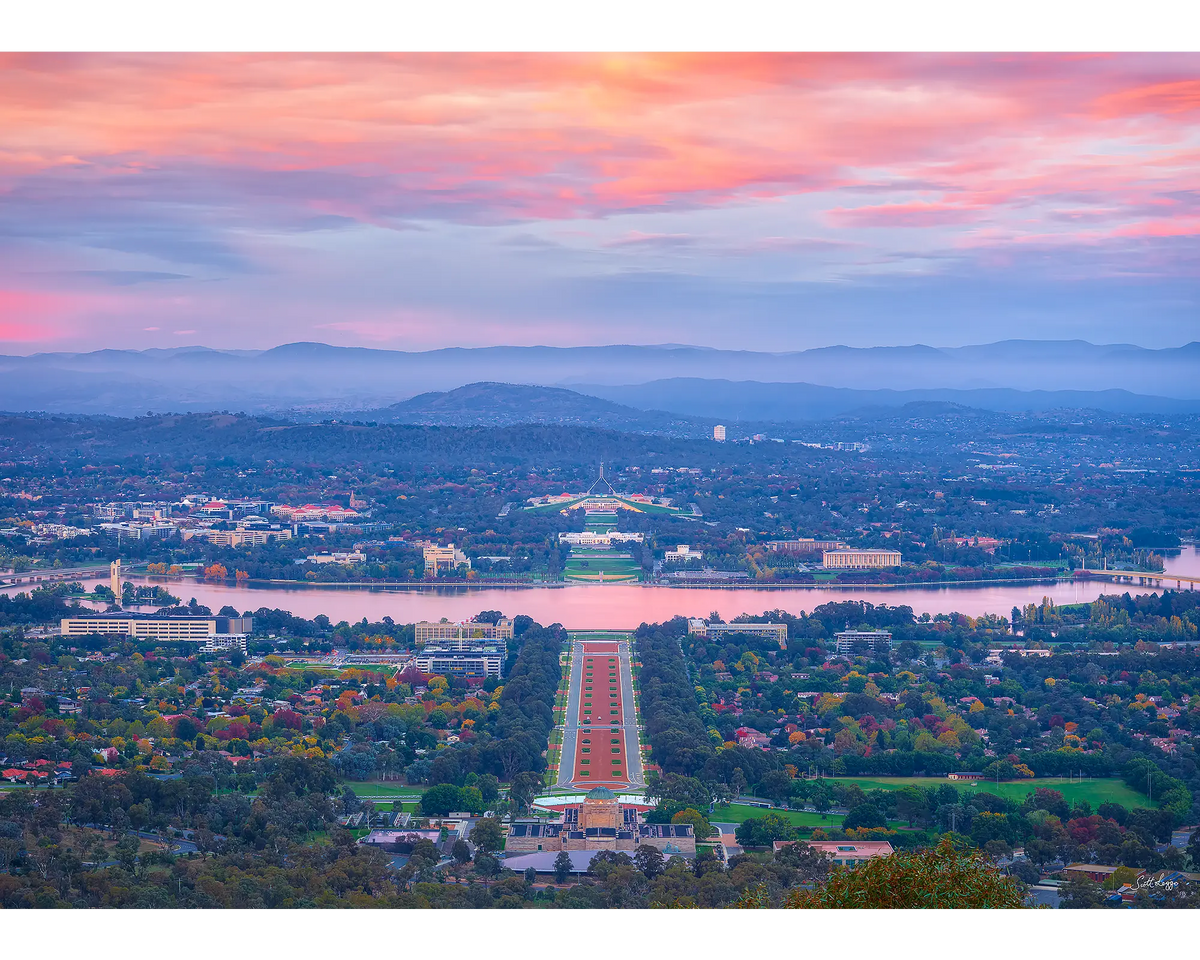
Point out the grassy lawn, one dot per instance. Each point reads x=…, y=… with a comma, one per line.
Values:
x=389, y=789
x=739, y=812
x=612, y=567
x=1094, y=792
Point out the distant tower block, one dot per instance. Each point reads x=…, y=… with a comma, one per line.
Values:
x=719, y=432
x=114, y=578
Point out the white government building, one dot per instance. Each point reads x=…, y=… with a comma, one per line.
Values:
x=859, y=559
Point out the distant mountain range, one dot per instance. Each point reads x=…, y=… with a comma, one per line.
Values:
x=692, y=407
x=786, y=402
x=686, y=380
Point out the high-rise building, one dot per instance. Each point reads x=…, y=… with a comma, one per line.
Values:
x=719, y=432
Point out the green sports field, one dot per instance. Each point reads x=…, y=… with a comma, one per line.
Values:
x=1094, y=792
x=390, y=789
x=739, y=812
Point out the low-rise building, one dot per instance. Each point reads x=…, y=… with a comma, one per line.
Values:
x=776, y=631
x=155, y=628
x=343, y=557
x=140, y=531
x=458, y=636
x=848, y=641
x=683, y=552
x=600, y=822
x=803, y=545
x=845, y=853
x=238, y=538
x=1096, y=872
x=590, y=538
x=859, y=559
x=479, y=662
x=223, y=642
x=448, y=558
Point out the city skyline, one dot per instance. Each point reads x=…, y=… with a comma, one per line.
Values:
x=768, y=202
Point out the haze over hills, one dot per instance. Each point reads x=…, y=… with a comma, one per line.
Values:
x=691, y=407
x=781, y=402
x=317, y=377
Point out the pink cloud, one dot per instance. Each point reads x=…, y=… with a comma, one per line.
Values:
x=29, y=315
x=564, y=136
x=916, y=214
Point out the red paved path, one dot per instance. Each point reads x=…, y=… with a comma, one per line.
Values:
x=600, y=706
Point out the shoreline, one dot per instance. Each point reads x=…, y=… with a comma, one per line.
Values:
x=426, y=585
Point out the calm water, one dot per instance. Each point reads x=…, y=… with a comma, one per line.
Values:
x=618, y=606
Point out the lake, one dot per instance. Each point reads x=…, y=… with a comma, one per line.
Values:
x=625, y=605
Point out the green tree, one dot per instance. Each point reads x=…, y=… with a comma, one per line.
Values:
x=524, y=788
x=562, y=867
x=649, y=860
x=488, y=834
x=440, y=800
x=864, y=815
x=763, y=831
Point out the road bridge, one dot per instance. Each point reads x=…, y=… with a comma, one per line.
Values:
x=1147, y=578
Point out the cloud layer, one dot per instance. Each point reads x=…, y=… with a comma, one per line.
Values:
x=772, y=201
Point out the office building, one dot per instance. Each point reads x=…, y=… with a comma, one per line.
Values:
x=135, y=530
x=860, y=559
x=850, y=641
x=478, y=661
x=776, y=631
x=719, y=432
x=143, y=627
x=683, y=552
x=459, y=636
x=804, y=545
x=239, y=538
x=448, y=558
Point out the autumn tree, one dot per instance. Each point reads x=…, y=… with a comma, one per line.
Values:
x=941, y=877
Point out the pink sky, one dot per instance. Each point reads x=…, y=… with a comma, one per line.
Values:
x=779, y=201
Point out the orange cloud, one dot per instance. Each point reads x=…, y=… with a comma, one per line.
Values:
x=570, y=135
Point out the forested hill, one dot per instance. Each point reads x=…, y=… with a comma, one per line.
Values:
x=246, y=440
x=507, y=404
